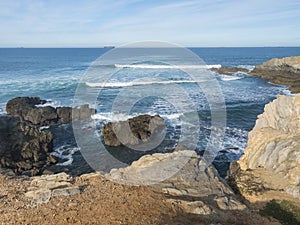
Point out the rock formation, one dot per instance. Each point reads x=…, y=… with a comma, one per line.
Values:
x=270, y=164
x=193, y=185
x=285, y=71
x=31, y=109
x=140, y=129
x=230, y=70
x=44, y=187
x=23, y=147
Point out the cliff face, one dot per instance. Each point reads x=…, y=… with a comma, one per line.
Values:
x=271, y=162
x=284, y=71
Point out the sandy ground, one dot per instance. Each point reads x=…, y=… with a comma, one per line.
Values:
x=102, y=202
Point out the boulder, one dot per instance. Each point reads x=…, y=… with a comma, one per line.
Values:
x=23, y=147
x=20, y=106
x=30, y=109
x=64, y=114
x=285, y=71
x=143, y=129
x=191, y=183
x=270, y=164
x=82, y=113
x=42, y=116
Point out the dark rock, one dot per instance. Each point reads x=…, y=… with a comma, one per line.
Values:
x=285, y=71
x=229, y=70
x=64, y=114
x=23, y=147
x=82, y=113
x=25, y=108
x=42, y=116
x=142, y=127
x=20, y=106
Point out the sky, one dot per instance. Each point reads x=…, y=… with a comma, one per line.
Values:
x=192, y=23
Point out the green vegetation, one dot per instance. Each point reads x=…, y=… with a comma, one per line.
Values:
x=284, y=211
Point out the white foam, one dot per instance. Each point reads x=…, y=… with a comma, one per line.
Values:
x=65, y=152
x=288, y=93
x=173, y=116
x=230, y=77
x=110, y=116
x=44, y=128
x=248, y=67
x=115, y=117
x=149, y=66
x=139, y=83
x=49, y=102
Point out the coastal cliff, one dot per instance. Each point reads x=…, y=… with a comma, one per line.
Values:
x=269, y=168
x=284, y=71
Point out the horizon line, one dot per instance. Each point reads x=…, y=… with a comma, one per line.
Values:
x=112, y=46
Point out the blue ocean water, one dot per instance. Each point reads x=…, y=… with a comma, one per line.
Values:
x=54, y=74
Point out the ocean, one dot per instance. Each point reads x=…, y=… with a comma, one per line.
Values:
x=56, y=74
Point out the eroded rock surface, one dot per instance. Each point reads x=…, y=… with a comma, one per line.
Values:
x=134, y=131
x=23, y=147
x=284, y=71
x=44, y=187
x=31, y=109
x=193, y=185
x=270, y=164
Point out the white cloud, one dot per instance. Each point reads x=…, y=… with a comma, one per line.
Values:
x=93, y=22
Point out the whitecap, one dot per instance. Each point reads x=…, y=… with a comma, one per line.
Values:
x=230, y=77
x=139, y=83
x=151, y=66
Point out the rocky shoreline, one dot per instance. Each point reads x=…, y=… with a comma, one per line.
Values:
x=192, y=194
x=25, y=147
x=154, y=189
x=284, y=71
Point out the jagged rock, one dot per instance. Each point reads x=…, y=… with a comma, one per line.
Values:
x=64, y=114
x=271, y=159
x=23, y=147
x=46, y=186
x=284, y=71
x=195, y=207
x=184, y=176
x=82, y=113
x=27, y=109
x=144, y=128
x=20, y=106
x=230, y=70
x=42, y=116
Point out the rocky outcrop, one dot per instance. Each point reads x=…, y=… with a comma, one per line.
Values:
x=192, y=185
x=43, y=188
x=140, y=129
x=23, y=147
x=31, y=109
x=270, y=164
x=285, y=71
x=230, y=70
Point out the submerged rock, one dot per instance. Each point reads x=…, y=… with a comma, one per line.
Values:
x=23, y=147
x=270, y=164
x=230, y=70
x=140, y=129
x=285, y=71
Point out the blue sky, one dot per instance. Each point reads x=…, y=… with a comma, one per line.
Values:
x=94, y=23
